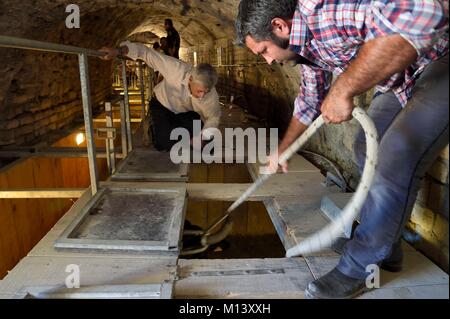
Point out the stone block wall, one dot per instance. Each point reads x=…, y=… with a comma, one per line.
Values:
x=427, y=229
x=45, y=94
x=40, y=91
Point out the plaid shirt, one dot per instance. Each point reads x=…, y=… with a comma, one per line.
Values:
x=330, y=33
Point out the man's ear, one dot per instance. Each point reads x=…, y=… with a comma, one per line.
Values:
x=281, y=28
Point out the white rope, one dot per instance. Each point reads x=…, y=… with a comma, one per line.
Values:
x=326, y=237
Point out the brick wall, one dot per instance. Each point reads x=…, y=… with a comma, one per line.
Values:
x=45, y=95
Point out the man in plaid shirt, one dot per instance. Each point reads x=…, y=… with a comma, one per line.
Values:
x=399, y=47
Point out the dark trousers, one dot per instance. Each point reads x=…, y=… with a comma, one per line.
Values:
x=411, y=139
x=164, y=121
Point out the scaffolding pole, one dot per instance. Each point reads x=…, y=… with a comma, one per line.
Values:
x=142, y=89
x=109, y=143
x=127, y=106
x=88, y=123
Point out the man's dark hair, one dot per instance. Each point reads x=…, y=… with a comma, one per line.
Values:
x=255, y=18
x=169, y=22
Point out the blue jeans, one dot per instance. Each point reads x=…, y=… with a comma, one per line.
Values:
x=411, y=139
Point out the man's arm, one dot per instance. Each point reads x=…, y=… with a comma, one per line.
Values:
x=294, y=131
x=402, y=30
x=210, y=113
x=166, y=65
x=209, y=109
x=314, y=86
x=377, y=60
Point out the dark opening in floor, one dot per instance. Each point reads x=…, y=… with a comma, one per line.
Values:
x=252, y=236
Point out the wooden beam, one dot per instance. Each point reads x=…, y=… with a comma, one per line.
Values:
x=299, y=185
x=41, y=193
x=217, y=192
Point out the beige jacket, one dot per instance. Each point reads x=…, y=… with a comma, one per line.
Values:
x=173, y=92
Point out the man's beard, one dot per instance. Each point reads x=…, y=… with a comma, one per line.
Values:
x=285, y=44
x=281, y=43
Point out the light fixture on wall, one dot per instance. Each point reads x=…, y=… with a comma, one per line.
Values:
x=80, y=138
x=195, y=59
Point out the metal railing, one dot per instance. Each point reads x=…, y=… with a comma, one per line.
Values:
x=27, y=44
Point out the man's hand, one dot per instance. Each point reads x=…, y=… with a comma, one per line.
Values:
x=294, y=131
x=273, y=164
x=337, y=107
x=110, y=53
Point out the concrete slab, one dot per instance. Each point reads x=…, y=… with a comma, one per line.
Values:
x=418, y=292
x=128, y=219
x=45, y=248
x=147, y=291
x=332, y=206
x=148, y=165
x=245, y=278
x=418, y=276
x=295, y=222
x=54, y=271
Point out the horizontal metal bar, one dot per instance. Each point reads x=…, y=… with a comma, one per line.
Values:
x=42, y=193
x=117, y=120
x=131, y=92
x=106, y=130
x=250, y=272
x=27, y=44
x=123, y=245
x=147, y=291
x=55, y=152
x=239, y=65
